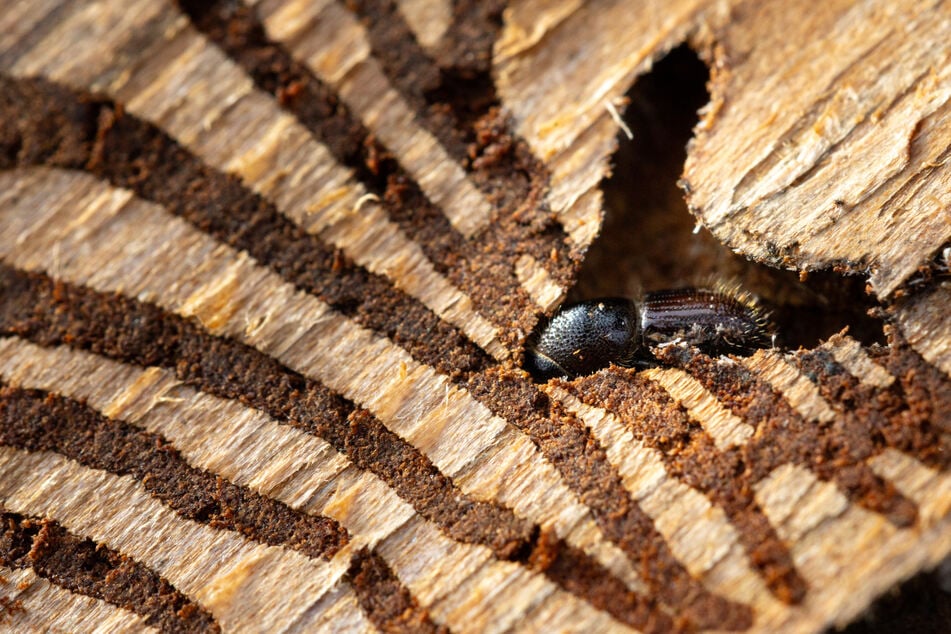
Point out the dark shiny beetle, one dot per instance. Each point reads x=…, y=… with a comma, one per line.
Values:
x=585, y=337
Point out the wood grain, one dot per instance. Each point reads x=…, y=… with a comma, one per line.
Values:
x=627, y=501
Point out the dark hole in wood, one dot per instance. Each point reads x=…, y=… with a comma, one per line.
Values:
x=921, y=605
x=648, y=241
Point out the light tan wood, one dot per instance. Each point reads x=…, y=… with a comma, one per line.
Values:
x=188, y=553
x=924, y=320
x=773, y=169
x=362, y=84
x=243, y=131
x=801, y=117
x=200, y=278
x=813, y=516
x=825, y=145
x=726, y=428
x=798, y=390
x=428, y=19
x=38, y=605
x=849, y=353
x=698, y=532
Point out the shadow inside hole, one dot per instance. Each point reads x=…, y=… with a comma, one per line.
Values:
x=648, y=242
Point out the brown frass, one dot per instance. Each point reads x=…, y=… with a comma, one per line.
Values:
x=49, y=313
x=456, y=102
x=35, y=420
x=42, y=123
x=95, y=570
x=384, y=599
x=53, y=313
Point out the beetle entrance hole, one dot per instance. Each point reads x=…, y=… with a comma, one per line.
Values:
x=648, y=242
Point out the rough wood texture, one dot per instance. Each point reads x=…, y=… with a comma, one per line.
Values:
x=267, y=269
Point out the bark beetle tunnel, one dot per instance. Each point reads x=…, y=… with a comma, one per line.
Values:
x=648, y=241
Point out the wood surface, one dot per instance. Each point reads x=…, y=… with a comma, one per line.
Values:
x=267, y=272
